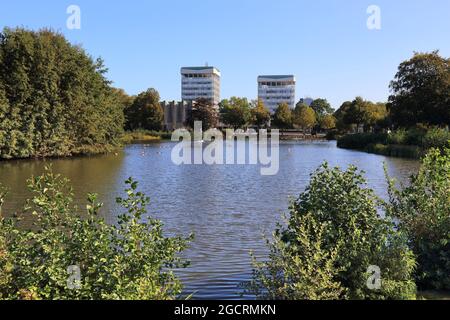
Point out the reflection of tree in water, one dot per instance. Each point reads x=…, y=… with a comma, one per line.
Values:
x=402, y=169
x=97, y=174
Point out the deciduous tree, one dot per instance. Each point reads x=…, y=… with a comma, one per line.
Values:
x=305, y=117
x=260, y=114
x=235, y=112
x=145, y=112
x=421, y=91
x=54, y=98
x=283, y=116
x=203, y=110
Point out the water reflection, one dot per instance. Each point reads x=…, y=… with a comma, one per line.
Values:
x=228, y=207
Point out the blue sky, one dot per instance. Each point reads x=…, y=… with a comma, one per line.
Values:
x=325, y=43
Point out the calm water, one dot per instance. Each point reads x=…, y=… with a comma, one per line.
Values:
x=229, y=208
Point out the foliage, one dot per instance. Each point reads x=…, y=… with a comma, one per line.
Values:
x=141, y=135
x=129, y=260
x=328, y=122
x=412, y=143
x=145, y=112
x=423, y=212
x=375, y=115
x=356, y=112
x=352, y=237
x=283, y=117
x=392, y=150
x=421, y=91
x=5, y=259
x=360, y=141
x=235, y=112
x=321, y=108
x=305, y=271
x=305, y=117
x=360, y=112
x=54, y=98
x=126, y=102
x=260, y=114
x=203, y=110
x=398, y=136
x=341, y=116
x=436, y=138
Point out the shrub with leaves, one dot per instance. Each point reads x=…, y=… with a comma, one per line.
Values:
x=423, y=212
x=334, y=234
x=5, y=261
x=305, y=270
x=129, y=260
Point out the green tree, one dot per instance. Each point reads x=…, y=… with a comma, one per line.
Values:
x=376, y=115
x=131, y=259
x=321, y=107
x=203, y=110
x=145, y=112
x=125, y=101
x=352, y=237
x=260, y=114
x=283, y=117
x=360, y=112
x=340, y=116
x=328, y=122
x=54, y=98
x=356, y=113
x=423, y=212
x=421, y=91
x=305, y=117
x=235, y=112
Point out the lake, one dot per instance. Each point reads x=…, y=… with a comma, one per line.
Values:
x=228, y=207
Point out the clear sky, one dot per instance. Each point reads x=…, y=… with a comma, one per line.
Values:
x=325, y=43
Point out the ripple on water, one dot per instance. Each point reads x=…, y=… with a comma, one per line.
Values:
x=229, y=208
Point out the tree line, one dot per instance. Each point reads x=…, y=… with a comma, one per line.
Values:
x=54, y=98
x=415, y=119
x=420, y=96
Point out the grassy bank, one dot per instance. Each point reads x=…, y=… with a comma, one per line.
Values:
x=139, y=136
x=412, y=143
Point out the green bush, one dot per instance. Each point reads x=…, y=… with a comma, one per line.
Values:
x=305, y=271
x=412, y=143
x=379, y=149
x=423, y=212
x=360, y=141
x=393, y=150
x=336, y=218
x=137, y=136
x=5, y=259
x=333, y=135
x=436, y=138
x=129, y=260
x=397, y=137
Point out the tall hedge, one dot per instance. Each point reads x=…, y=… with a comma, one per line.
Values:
x=54, y=98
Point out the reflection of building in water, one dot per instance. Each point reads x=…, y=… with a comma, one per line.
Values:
x=175, y=114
